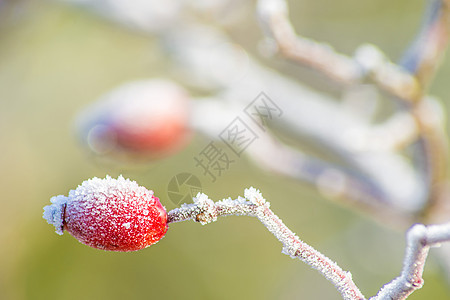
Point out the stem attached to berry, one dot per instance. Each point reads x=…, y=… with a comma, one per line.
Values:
x=205, y=211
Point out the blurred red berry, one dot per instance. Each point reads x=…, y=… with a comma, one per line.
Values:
x=109, y=214
x=147, y=117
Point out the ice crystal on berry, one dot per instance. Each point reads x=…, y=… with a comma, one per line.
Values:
x=54, y=213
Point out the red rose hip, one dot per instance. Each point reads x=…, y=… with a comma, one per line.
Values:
x=144, y=118
x=109, y=214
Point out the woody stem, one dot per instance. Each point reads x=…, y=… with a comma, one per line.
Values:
x=204, y=210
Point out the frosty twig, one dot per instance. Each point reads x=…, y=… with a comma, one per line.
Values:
x=369, y=62
x=205, y=211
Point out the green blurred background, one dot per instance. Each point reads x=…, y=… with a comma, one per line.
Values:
x=55, y=59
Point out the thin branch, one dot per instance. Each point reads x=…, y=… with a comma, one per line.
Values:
x=350, y=186
x=396, y=133
x=369, y=62
x=433, y=148
x=423, y=56
x=361, y=170
x=422, y=59
x=419, y=240
x=322, y=57
x=205, y=211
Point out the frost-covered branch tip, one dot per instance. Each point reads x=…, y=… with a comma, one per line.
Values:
x=204, y=210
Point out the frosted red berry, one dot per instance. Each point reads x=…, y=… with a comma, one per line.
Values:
x=146, y=118
x=109, y=214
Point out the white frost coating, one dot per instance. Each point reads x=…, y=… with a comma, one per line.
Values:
x=255, y=197
x=108, y=186
x=54, y=213
x=208, y=213
x=93, y=190
x=291, y=242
